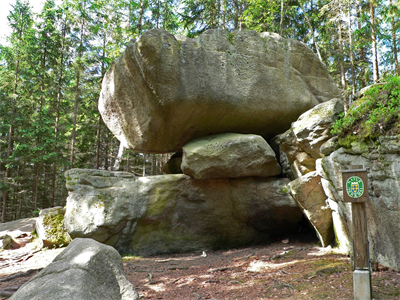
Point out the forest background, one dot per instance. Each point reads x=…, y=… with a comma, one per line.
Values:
x=52, y=64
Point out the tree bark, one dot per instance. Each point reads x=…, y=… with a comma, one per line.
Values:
x=144, y=164
x=106, y=152
x=141, y=13
x=98, y=140
x=153, y=164
x=341, y=58
x=10, y=146
x=35, y=184
x=312, y=31
x=56, y=123
x=341, y=64
x=353, y=79
x=118, y=159
x=77, y=95
x=281, y=20
x=362, y=55
x=394, y=44
x=396, y=62
x=374, y=45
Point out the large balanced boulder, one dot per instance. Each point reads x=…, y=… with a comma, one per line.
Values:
x=166, y=90
x=229, y=155
x=85, y=270
x=383, y=207
x=176, y=213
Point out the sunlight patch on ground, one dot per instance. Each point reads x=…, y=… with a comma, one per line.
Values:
x=188, y=281
x=157, y=287
x=258, y=266
x=320, y=251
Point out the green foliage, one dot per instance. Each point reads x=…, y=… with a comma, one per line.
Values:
x=376, y=114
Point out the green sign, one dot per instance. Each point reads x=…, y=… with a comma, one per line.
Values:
x=355, y=187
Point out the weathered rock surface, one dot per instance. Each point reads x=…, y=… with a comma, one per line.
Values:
x=175, y=213
x=229, y=155
x=85, y=270
x=313, y=128
x=183, y=88
x=309, y=194
x=294, y=160
x=383, y=208
x=302, y=143
x=50, y=228
x=108, y=205
x=19, y=232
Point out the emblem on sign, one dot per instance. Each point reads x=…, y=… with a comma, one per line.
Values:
x=355, y=187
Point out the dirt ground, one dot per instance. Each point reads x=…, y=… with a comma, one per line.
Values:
x=294, y=268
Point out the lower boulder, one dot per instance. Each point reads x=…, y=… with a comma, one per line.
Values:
x=176, y=213
x=85, y=270
x=231, y=155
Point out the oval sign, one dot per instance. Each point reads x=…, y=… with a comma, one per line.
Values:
x=355, y=187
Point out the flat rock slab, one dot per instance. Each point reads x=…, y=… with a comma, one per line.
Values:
x=166, y=90
x=229, y=155
x=19, y=226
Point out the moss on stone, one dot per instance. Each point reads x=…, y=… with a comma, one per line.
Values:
x=284, y=190
x=54, y=228
x=158, y=202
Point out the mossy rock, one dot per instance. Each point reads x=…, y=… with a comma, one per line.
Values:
x=50, y=228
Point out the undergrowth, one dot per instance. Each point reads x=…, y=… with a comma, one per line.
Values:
x=374, y=115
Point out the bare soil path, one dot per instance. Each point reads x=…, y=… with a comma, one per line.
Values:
x=298, y=269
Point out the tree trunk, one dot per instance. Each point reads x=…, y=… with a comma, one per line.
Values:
x=35, y=184
x=144, y=164
x=394, y=44
x=353, y=79
x=118, y=159
x=281, y=20
x=73, y=135
x=362, y=55
x=312, y=31
x=374, y=45
x=396, y=62
x=10, y=146
x=56, y=123
x=99, y=123
x=77, y=94
x=153, y=164
x=128, y=161
x=341, y=63
x=236, y=17
x=223, y=14
x=141, y=13
x=106, y=152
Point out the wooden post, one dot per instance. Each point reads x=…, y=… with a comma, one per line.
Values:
x=355, y=190
x=360, y=236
